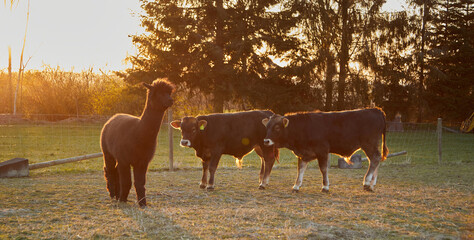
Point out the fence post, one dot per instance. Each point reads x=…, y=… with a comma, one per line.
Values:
x=329, y=161
x=439, y=130
x=170, y=138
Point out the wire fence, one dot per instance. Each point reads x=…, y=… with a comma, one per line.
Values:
x=40, y=139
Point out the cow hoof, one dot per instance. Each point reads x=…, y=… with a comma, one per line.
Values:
x=295, y=190
x=325, y=190
x=368, y=188
x=210, y=188
x=261, y=187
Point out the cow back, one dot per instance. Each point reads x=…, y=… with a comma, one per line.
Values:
x=234, y=133
x=340, y=132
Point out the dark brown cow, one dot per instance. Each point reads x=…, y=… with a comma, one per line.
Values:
x=315, y=134
x=234, y=134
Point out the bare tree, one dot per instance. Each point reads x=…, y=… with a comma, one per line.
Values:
x=10, y=80
x=21, y=68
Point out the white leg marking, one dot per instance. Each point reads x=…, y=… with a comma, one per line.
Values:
x=299, y=178
x=368, y=179
x=374, y=179
x=266, y=180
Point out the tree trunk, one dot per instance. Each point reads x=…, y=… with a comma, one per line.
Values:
x=344, y=55
x=219, y=81
x=329, y=84
x=422, y=63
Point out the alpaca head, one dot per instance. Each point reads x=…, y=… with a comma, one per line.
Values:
x=159, y=94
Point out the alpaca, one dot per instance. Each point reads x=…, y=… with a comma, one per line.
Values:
x=128, y=141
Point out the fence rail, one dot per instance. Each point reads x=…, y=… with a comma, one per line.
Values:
x=40, y=140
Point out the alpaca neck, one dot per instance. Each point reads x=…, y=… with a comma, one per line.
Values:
x=150, y=121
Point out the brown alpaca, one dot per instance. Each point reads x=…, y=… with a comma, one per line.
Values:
x=128, y=141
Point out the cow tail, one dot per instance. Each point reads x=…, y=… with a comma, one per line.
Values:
x=384, y=145
x=238, y=163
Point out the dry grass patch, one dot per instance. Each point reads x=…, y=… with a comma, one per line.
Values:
x=437, y=204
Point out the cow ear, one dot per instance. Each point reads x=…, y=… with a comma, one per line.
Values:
x=202, y=124
x=176, y=124
x=146, y=85
x=265, y=121
x=285, y=122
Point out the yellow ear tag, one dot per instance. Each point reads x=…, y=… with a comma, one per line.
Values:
x=201, y=127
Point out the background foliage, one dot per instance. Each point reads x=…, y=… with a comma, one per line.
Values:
x=283, y=55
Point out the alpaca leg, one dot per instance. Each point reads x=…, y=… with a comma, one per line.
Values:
x=139, y=176
x=117, y=184
x=125, y=181
x=111, y=176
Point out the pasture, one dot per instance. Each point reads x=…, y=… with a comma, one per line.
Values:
x=415, y=196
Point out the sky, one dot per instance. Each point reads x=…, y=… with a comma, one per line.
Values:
x=76, y=35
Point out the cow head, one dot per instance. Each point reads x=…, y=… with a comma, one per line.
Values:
x=190, y=128
x=276, y=129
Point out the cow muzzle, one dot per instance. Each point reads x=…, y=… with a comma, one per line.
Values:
x=185, y=143
x=268, y=142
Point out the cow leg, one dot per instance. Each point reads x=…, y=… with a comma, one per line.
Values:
x=374, y=178
x=370, y=177
x=125, y=181
x=259, y=152
x=212, y=170
x=300, y=172
x=269, y=160
x=139, y=177
x=205, y=168
x=111, y=176
x=323, y=167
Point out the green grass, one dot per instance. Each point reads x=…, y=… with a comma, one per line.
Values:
x=46, y=142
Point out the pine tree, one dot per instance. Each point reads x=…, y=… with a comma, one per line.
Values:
x=450, y=82
x=222, y=48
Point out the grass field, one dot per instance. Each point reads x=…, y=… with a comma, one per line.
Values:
x=433, y=202
x=415, y=196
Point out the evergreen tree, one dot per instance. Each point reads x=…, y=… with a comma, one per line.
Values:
x=450, y=82
x=223, y=48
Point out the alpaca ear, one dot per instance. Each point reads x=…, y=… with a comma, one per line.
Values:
x=265, y=121
x=202, y=124
x=146, y=85
x=285, y=122
x=176, y=124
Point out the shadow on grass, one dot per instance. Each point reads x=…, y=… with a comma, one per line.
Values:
x=153, y=223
